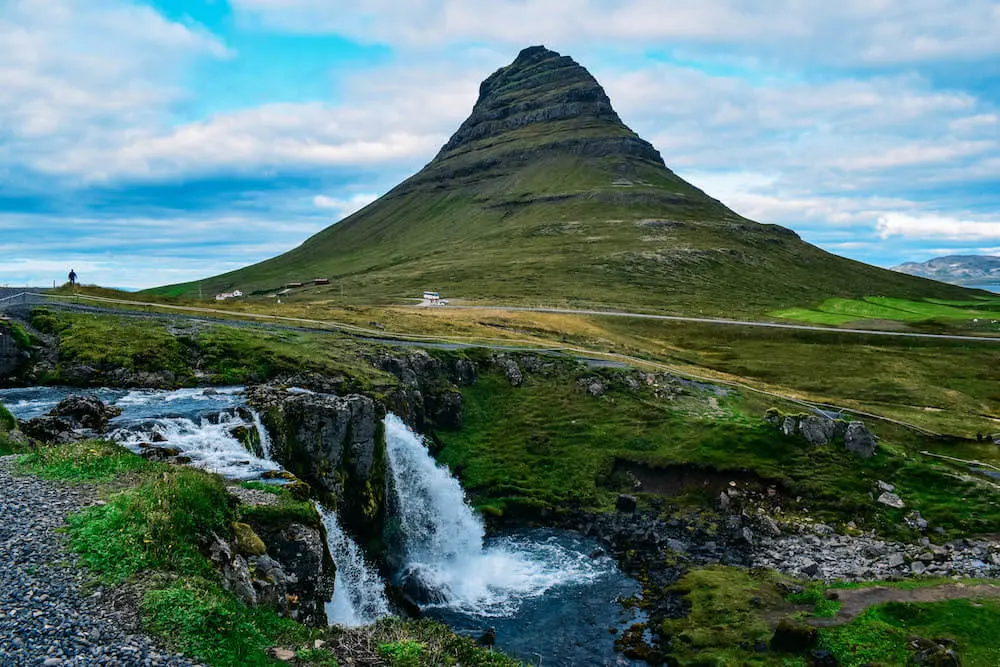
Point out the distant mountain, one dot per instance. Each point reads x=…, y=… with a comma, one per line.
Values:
x=956, y=269
x=544, y=196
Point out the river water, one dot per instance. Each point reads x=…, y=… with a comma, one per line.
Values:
x=549, y=595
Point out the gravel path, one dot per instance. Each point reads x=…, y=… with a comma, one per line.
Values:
x=46, y=618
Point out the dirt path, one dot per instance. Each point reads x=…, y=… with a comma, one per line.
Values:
x=853, y=601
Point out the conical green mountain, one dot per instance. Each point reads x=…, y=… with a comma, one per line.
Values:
x=544, y=196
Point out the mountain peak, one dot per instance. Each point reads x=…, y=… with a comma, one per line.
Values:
x=547, y=98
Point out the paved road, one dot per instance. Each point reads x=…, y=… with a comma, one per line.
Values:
x=726, y=322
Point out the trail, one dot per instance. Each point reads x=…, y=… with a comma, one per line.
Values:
x=854, y=601
x=46, y=617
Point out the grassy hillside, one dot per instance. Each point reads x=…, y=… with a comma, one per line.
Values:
x=545, y=196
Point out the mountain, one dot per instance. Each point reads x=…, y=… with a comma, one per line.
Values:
x=543, y=195
x=956, y=269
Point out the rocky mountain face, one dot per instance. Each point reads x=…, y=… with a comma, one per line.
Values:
x=544, y=195
x=956, y=269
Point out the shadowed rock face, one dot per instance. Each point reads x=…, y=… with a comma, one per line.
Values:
x=542, y=88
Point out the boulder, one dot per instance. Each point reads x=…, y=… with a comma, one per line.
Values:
x=916, y=522
x=790, y=426
x=53, y=430
x=859, y=440
x=626, y=504
x=817, y=430
x=510, y=369
x=87, y=411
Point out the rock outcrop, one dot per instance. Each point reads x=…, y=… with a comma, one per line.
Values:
x=819, y=430
x=72, y=420
x=334, y=443
x=429, y=393
x=13, y=355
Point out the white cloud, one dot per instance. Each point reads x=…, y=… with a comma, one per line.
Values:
x=344, y=207
x=883, y=32
x=936, y=226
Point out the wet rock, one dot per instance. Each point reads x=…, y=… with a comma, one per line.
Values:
x=53, y=430
x=87, y=411
x=859, y=440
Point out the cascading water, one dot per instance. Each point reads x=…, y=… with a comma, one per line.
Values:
x=358, y=592
x=265, y=437
x=446, y=562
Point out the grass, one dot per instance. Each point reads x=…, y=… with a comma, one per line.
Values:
x=548, y=446
x=156, y=525
x=199, y=618
x=7, y=421
x=881, y=634
x=840, y=311
x=814, y=596
x=421, y=643
x=219, y=354
x=87, y=461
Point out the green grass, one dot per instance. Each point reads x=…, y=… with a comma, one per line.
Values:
x=156, y=525
x=7, y=421
x=880, y=635
x=813, y=595
x=226, y=354
x=840, y=311
x=87, y=461
x=198, y=617
x=548, y=446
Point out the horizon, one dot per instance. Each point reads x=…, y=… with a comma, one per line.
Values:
x=161, y=142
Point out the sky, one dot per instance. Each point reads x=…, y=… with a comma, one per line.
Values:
x=151, y=142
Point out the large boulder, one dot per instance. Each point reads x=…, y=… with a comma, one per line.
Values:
x=86, y=411
x=54, y=430
x=859, y=440
x=817, y=430
x=334, y=443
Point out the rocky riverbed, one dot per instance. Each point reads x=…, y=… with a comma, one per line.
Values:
x=47, y=617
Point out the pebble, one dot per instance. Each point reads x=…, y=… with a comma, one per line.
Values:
x=46, y=617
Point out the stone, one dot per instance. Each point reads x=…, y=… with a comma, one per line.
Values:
x=817, y=430
x=248, y=542
x=87, y=411
x=810, y=568
x=915, y=521
x=859, y=440
x=886, y=487
x=823, y=658
x=891, y=500
x=917, y=567
x=282, y=654
x=626, y=504
x=724, y=502
x=790, y=426
x=895, y=559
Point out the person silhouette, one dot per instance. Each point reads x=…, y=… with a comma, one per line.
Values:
x=72, y=277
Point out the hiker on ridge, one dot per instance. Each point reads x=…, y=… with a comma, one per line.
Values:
x=72, y=277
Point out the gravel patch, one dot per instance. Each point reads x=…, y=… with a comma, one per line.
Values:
x=47, y=617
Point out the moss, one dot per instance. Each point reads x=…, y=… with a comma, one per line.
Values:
x=7, y=421
x=247, y=542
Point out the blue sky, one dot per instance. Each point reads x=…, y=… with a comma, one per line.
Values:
x=148, y=142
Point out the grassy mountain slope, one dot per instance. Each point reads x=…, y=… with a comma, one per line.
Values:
x=543, y=195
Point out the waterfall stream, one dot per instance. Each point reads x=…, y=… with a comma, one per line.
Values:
x=359, y=591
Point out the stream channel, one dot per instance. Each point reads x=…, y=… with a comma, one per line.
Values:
x=552, y=596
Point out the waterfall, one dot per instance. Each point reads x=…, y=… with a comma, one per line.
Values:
x=265, y=438
x=446, y=563
x=359, y=592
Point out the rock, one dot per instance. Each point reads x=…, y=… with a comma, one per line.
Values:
x=917, y=567
x=593, y=384
x=488, y=638
x=891, y=500
x=54, y=430
x=247, y=542
x=793, y=637
x=859, y=440
x=724, y=502
x=790, y=426
x=282, y=654
x=810, y=568
x=817, y=430
x=626, y=504
x=895, y=559
x=823, y=658
x=87, y=411
x=886, y=487
x=934, y=653
x=916, y=522
x=510, y=369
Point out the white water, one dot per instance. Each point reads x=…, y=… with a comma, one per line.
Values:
x=359, y=592
x=265, y=437
x=443, y=540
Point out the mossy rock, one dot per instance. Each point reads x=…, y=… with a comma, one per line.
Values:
x=299, y=490
x=247, y=542
x=792, y=636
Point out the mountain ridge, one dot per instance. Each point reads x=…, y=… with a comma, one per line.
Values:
x=544, y=195
x=956, y=269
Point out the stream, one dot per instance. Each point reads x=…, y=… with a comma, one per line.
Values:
x=551, y=596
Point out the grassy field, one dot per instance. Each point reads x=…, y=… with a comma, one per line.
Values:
x=844, y=311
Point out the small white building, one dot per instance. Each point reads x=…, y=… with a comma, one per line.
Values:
x=228, y=295
x=432, y=297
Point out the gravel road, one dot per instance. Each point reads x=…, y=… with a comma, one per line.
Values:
x=46, y=615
